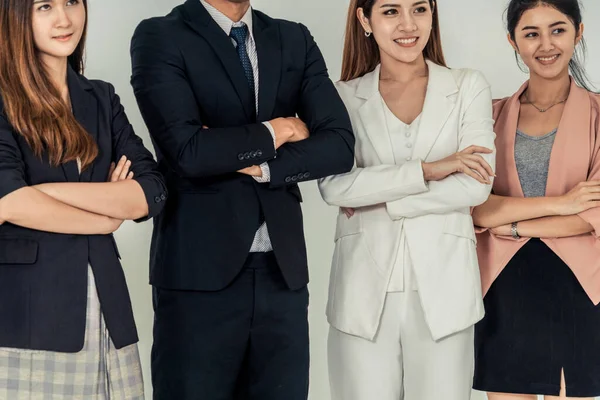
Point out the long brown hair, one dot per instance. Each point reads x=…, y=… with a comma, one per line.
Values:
x=361, y=53
x=32, y=103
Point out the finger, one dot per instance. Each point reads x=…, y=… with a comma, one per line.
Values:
x=478, y=163
x=477, y=149
x=351, y=211
x=204, y=127
x=590, y=183
x=130, y=175
x=119, y=168
x=474, y=175
x=475, y=166
x=483, y=163
x=111, y=170
x=125, y=170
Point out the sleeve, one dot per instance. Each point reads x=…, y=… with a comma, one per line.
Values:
x=592, y=216
x=330, y=148
x=145, y=172
x=12, y=166
x=369, y=186
x=457, y=191
x=170, y=111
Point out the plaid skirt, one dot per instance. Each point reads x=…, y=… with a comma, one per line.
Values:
x=97, y=372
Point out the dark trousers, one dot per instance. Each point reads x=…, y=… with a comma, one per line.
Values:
x=248, y=341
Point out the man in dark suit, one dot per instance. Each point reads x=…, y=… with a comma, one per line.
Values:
x=219, y=86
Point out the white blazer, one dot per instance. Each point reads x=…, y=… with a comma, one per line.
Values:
x=393, y=200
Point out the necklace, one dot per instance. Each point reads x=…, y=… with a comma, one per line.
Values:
x=543, y=110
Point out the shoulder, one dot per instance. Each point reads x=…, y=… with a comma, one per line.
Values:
x=157, y=27
x=469, y=80
x=347, y=88
x=289, y=30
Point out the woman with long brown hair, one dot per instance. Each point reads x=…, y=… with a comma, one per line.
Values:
x=66, y=322
x=405, y=291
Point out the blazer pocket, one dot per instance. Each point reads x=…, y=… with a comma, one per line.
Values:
x=17, y=251
x=347, y=226
x=460, y=225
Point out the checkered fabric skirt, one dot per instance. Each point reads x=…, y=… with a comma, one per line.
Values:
x=97, y=372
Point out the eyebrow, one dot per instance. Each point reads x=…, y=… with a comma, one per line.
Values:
x=549, y=26
x=418, y=3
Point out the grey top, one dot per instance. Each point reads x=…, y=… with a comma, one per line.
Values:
x=532, y=155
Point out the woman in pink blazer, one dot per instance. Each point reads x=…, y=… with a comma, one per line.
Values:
x=538, y=248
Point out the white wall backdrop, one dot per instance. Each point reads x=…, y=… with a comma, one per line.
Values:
x=473, y=36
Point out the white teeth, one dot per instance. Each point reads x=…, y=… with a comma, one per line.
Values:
x=406, y=41
x=548, y=58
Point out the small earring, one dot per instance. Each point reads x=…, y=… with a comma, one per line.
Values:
x=367, y=34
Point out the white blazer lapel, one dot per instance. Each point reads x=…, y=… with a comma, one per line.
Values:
x=372, y=116
x=440, y=100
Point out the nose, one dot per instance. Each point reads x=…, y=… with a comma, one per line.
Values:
x=407, y=22
x=546, y=44
x=62, y=18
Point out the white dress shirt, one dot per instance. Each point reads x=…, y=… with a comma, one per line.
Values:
x=262, y=241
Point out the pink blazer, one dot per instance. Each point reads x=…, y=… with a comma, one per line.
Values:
x=575, y=158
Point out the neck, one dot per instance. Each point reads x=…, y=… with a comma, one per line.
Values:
x=542, y=91
x=234, y=10
x=394, y=70
x=56, y=68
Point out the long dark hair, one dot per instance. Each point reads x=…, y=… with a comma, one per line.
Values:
x=361, y=54
x=32, y=104
x=572, y=10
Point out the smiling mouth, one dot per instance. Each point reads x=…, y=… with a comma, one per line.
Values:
x=548, y=59
x=63, y=37
x=407, y=42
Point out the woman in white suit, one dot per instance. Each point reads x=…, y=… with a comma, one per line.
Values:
x=405, y=289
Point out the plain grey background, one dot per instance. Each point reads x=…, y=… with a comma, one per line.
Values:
x=473, y=36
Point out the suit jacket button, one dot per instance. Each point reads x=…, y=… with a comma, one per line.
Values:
x=300, y=175
x=163, y=197
x=254, y=154
x=157, y=199
x=306, y=175
x=259, y=153
x=241, y=157
x=294, y=178
x=247, y=156
x=288, y=179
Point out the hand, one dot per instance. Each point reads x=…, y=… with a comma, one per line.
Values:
x=288, y=130
x=465, y=161
x=504, y=230
x=582, y=197
x=120, y=171
x=114, y=224
x=348, y=211
x=252, y=171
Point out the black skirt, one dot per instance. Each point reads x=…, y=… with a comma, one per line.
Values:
x=538, y=322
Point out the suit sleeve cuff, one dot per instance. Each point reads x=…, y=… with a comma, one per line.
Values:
x=266, y=174
x=272, y=132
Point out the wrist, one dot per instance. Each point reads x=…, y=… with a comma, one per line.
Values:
x=426, y=170
x=555, y=205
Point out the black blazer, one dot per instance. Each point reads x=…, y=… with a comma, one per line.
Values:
x=43, y=276
x=186, y=74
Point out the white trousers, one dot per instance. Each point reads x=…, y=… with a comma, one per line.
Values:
x=403, y=362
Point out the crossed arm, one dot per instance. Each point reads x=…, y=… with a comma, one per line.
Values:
x=81, y=208
x=542, y=217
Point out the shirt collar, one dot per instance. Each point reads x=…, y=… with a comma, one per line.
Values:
x=224, y=22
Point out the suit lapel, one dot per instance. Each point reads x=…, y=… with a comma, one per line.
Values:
x=200, y=21
x=372, y=116
x=508, y=183
x=268, y=48
x=439, y=103
x=85, y=109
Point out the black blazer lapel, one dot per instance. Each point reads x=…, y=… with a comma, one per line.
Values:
x=268, y=47
x=200, y=21
x=85, y=109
